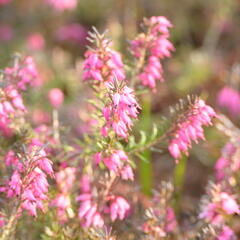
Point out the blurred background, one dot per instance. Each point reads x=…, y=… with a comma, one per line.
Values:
x=206, y=62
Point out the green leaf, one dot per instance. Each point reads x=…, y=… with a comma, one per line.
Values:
x=142, y=157
x=143, y=138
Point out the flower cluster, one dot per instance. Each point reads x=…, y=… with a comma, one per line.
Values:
x=28, y=181
x=121, y=109
x=154, y=224
x=226, y=233
x=216, y=207
x=228, y=163
x=103, y=64
x=190, y=128
x=229, y=98
x=65, y=179
x=88, y=212
x=6, y=32
x=220, y=203
x=3, y=2
x=117, y=162
x=23, y=73
x=119, y=207
x=160, y=219
x=61, y=5
x=152, y=47
x=92, y=207
x=72, y=33
x=11, y=106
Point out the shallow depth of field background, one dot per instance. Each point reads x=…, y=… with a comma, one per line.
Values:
x=205, y=34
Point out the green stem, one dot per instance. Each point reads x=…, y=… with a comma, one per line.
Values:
x=145, y=167
x=179, y=179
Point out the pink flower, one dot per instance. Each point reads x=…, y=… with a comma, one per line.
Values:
x=72, y=33
x=122, y=109
x=61, y=5
x=65, y=178
x=12, y=160
x=154, y=46
x=56, y=97
x=63, y=203
x=210, y=214
x=6, y=32
x=228, y=204
x=220, y=166
x=117, y=162
x=171, y=220
x=226, y=234
x=40, y=116
x=14, y=185
x=103, y=64
x=190, y=128
x=119, y=208
x=29, y=181
x=85, y=184
x=23, y=73
x=127, y=173
x=11, y=106
x=88, y=212
x=36, y=41
x=229, y=98
x=152, y=71
x=227, y=164
x=3, y=2
x=2, y=221
x=217, y=205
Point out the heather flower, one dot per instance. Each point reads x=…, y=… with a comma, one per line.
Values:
x=152, y=226
x=73, y=33
x=65, y=179
x=152, y=47
x=119, y=113
x=61, y=5
x=127, y=173
x=56, y=97
x=218, y=204
x=11, y=106
x=40, y=116
x=103, y=64
x=23, y=73
x=63, y=204
x=3, y=2
x=30, y=187
x=228, y=203
x=45, y=135
x=119, y=208
x=6, y=32
x=2, y=221
x=88, y=211
x=190, y=128
x=229, y=99
x=226, y=162
x=117, y=161
x=170, y=220
x=152, y=71
x=36, y=41
x=226, y=234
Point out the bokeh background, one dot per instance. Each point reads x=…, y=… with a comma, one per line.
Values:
x=205, y=34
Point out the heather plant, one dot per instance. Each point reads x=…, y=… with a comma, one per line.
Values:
x=86, y=186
